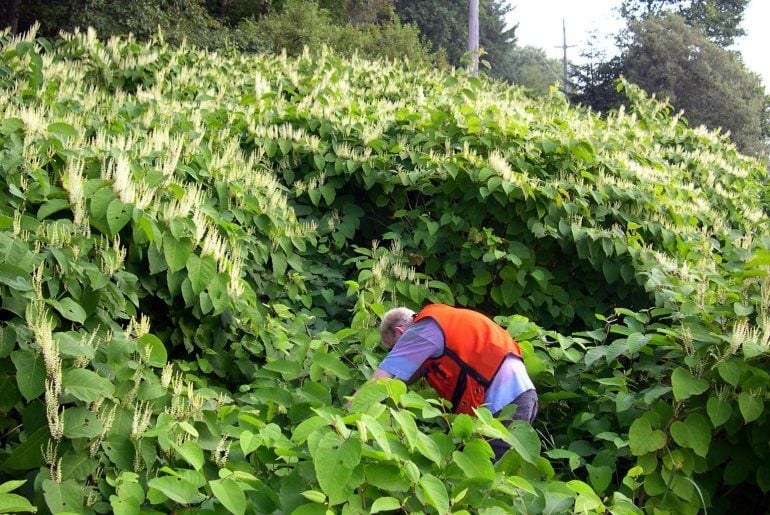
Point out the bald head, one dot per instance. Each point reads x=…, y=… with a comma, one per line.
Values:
x=393, y=324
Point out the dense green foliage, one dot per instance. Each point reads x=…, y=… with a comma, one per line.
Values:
x=304, y=24
x=249, y=26
x=194, y=249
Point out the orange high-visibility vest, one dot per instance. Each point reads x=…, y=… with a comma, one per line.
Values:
x=474, y=349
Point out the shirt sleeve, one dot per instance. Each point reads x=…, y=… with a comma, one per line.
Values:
x=419, y=342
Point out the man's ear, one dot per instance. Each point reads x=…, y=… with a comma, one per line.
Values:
x=399, y=330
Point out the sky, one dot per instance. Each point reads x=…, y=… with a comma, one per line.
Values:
x=540, y=25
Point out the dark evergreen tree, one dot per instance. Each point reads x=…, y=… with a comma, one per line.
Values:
x=9, y=15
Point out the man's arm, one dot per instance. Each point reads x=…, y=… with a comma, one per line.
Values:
x=413, y=347
x=381, y=374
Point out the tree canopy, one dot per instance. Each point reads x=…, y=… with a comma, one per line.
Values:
x=675, y=60
x=708, y=83
x=719, y=20
x=532, y=68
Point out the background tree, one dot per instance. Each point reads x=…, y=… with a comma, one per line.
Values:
x=368, y=27
x=445, y=26
x=719, y=20
x=533, y=69
x=710, y=84
x=9, y=14
x=303, y=23
x=670, y=54
x=178, y=19
x=594, y=82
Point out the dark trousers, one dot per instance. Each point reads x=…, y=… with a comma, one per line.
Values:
x=526, y=410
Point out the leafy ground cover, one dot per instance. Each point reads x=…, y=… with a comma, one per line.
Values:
x=195, y=247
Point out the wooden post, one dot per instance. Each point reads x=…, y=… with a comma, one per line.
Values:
x=473, y=37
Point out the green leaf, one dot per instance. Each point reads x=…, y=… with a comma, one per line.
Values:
x=370, y=394
x=730, y=371
x=599, y=476
x=153, y=350
x=10, y=486
x=751, y=406
x=62, y=129
x=176, y=488
x=288, y=369
x=176, y=251
x=249, y=442
x=28, y=455
x=119, y=450
x=192, y=453
x=718, y=410
x=15, y=277
x=69, y=309
x=385, y=504
x=475, y=462
x=462, y=426
x=87, y=385
x=429, y=448
x=100, y=200
x=642, y=439
x=124, y=506
x=51, y=207
x=408, y=426
x=315, y=496
x=311, y=509
x=30, y=373
x=743, y=310
x=13, y=503
x=230, y=494
x=686, y=385
x=201, y=271
x=380, y=434
x=156, y=259
x=279, y=263
x=66, y=496
x=434, y=493
x=334, y=461
x=80, y=422
x=320, y=162
x=118, y=215
x=694, y=433
x=332, y=364
x=586, y=501
x=78, y=465
x=386, y=477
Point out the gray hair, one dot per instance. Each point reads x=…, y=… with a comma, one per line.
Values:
x=395, y=317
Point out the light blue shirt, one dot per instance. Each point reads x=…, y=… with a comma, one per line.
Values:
x=425, y=339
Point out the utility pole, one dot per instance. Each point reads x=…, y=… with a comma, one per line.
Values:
x=473, y=37
x=564, y=47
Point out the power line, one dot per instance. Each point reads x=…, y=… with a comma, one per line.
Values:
x=564, y=46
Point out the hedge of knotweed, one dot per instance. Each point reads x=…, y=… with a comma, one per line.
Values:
x=196, y=246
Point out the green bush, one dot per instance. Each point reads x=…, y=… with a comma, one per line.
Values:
x=195, y=248
x=303, y=24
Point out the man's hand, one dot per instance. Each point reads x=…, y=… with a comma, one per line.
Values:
x=381, y=374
